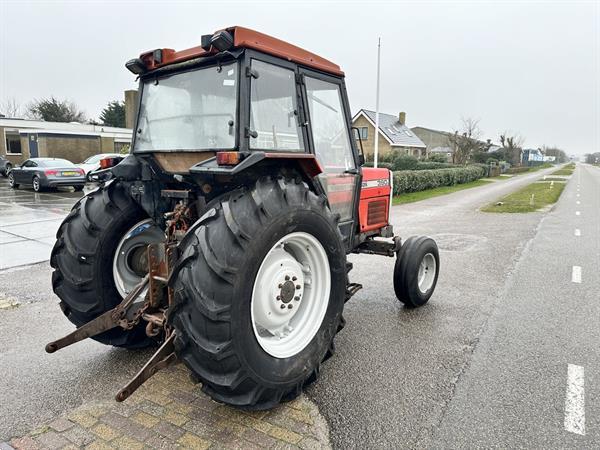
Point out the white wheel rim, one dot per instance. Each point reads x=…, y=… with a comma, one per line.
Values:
x=290, y=295
x=427, y=272
x=36, y=184
x=137, y=239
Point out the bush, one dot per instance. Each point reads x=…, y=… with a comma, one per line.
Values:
x=385, y=165
x=404, y=162
x=419, y=180
x=429, y=165
x=437, y=157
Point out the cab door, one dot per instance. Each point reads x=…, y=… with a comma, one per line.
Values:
x=329, y=136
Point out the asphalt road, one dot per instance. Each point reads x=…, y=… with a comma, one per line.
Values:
x=485, y=362
x=473, y=367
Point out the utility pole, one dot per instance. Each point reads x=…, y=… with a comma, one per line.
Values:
x=376, y=154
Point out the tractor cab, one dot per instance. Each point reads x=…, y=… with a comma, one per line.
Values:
x=245, y=98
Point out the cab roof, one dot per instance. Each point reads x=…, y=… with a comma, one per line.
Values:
x=246, y=38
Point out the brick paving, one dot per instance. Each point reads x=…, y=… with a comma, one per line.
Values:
x=170, y=411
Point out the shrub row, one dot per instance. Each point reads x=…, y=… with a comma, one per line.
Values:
x=419, y=165
x=419, y=180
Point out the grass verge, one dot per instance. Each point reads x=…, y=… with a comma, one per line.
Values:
x=410, y=197
x=544, y=193
x=563, y=171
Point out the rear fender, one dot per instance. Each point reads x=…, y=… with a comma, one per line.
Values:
x=258, y=164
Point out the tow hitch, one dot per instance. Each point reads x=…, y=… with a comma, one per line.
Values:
x=148, y=301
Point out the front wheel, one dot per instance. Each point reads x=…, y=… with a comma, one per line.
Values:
x=259, y=293
x=416, y=271
x=11, y=181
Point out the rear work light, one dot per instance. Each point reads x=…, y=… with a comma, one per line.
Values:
x=228, y=158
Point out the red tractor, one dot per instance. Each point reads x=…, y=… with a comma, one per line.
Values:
x=223, y=235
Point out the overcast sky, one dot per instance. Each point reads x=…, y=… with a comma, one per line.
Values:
x=531, y=68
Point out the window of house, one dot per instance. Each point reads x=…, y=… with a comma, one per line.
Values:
x=13, y=142
x=364, y=132
x=274, y=109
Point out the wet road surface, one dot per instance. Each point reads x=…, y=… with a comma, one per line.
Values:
x=28, y=223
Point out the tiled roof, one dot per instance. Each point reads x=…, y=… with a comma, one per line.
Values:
x=398, y=134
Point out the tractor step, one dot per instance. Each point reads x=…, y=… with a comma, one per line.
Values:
x=351, y=289
x=164, y=357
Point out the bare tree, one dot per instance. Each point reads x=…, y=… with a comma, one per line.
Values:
x=552, y=150
x=10, y=108
x=513, y=145
x=465, y=141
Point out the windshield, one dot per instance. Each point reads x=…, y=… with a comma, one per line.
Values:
x=55, y=163
x=189, y=111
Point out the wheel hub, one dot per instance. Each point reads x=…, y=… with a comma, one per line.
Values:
x=130, y=263
x=287, y=291
x=288, y=302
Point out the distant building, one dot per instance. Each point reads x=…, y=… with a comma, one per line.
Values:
x=531, y=157
x=433, y=138
x=21, y=139
x=445, y=151
x=394, y=136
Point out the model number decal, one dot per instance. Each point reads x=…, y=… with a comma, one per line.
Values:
x=376, y=183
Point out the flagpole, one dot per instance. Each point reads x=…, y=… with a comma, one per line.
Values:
x=376, y=155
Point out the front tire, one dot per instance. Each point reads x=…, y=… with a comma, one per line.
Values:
x=83, y=259
x=11, y=181
x=237, y=270
x=416, y=271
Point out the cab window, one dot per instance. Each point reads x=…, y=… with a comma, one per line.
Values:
x=274, y=109
x=328, y=125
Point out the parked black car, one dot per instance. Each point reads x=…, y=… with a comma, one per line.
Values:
x=5, y=166
x=43, y=173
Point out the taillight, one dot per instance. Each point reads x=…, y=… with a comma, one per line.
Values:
x=228, y=158
x=50, y=172
x=81, y=171
x=109, y=162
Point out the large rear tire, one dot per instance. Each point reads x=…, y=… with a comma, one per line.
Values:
x=83, y=259
x=246, y=267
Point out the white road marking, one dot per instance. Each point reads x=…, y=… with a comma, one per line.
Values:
x=575, y=400
x=576, y=274
x=578, y=202
x=577, y=213
x=577, y=232
x=578, y=194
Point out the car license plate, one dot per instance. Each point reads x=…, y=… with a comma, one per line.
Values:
x=69, y=174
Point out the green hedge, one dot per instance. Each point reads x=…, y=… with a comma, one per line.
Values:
x=419, y=180
x=425, y=165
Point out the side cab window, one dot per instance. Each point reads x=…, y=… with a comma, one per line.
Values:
x=332, y=145
x=274, y=109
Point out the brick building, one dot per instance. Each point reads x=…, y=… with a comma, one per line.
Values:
x=394, y=135
x=21, y=139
